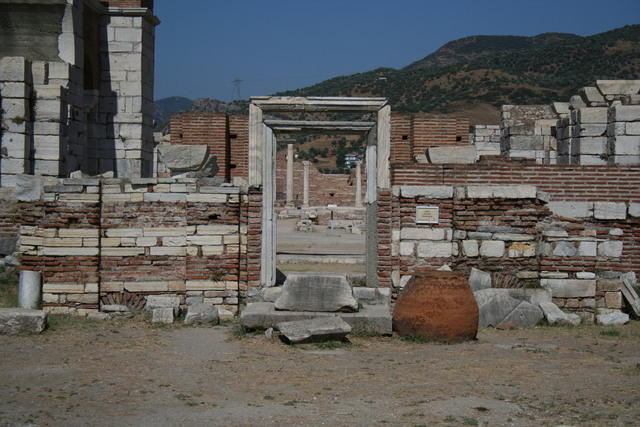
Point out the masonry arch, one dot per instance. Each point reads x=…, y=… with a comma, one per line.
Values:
x=263, y=133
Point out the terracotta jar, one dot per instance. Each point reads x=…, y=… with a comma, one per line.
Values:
x=436, y=305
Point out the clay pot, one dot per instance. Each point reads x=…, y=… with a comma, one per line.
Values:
x=436, y=305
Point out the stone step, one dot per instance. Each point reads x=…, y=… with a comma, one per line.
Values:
x=22, y=321
x=316, y=292
x=373, y=319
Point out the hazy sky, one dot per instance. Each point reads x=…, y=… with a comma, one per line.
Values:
x=274, y=45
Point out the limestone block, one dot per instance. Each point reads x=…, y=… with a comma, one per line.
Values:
x=610, y=249
x=521, y=249
x=525, y=315
x=201, y=314
x=501, y=191
x=592, y=115
x=479, y=279
x=576, y=102
x=624, y=113
x=570, y=288
x=15, y=145
x=15, y=90
x=412, y=233
x=591, y=145
x=632, y=128
x=618, y=87
x=174, y=241
x=110, y=251
x=406, y=248
x=627, y=145
x=164, y=231
x=611, y=317
x=162, y=315
x=204, y=240
x=427, y=191
x=183, y=157
x=517, y=237
x=212, y=250
x=167, y=251
x=316, y=292
x=434, y=250
x=124, y=232
x=14, y=69
x=320, y=328
x=592, y=95
x=492, y=248
x=21, y=321
x=452, y=154
x=208, y=285
x=613, y=299
x=588, y=249
x=217, y=229
x=634, y=209
x=470, y=248
x=561, y=107
x=493, y=306
x=526, y=142
x=588, y=129
x=146, y=241
x=610, y=210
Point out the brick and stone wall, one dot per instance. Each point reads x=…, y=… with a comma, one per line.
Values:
x=486, y=138
x=96, y=239
x=509, y=231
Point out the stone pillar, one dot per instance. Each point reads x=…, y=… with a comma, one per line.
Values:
x=358, y=184
x=305, y=197
x=289, y=174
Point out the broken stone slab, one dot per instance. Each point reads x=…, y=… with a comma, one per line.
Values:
x=453, y=154
x=22, y=321
x=611, y=317
x=628, y=281
x=592, y=96
x=316, y=292
x=494, y=306
x=163, y=301
x=570, y=288
x=271, y=294
x=317, y=329
x=532, y=295
x=194, y=300
x=29, y=188
x=162, y=315
x=369, y=296
x=525, y=315
x=479, y=279
x=225, y=315
x=183, y=158
x=373, y=319
x=201, y=314
x=553, y=314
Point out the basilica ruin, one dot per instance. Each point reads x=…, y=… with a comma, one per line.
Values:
x=110, y=214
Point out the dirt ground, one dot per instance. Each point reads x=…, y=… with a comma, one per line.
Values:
x=126, y=372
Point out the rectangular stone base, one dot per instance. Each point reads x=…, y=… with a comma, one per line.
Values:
x=374, y=319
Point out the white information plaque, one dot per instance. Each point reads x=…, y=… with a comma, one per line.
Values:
x=427, y=215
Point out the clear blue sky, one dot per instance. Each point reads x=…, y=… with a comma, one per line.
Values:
x=202, y=45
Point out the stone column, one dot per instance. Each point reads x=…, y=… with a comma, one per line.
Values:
x=358, y=185
x=289, y=174
x=305, y=188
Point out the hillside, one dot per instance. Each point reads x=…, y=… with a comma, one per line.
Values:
x=474, y=76
x=166, y=107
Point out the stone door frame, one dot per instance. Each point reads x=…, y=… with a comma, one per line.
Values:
x=262, y=161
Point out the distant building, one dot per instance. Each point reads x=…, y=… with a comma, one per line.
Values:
x=351, y=158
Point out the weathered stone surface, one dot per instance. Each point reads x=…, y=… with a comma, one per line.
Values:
x=162, y=301
x=610, y=249
x=28, y=188
x=470, y=248
x=610, y=210
x=201, y=314
x=532, y=295
x=271, y=294
x=552, y=313
x=179, y=157
x=570, y=288
x=494, y=306
x=316, y=292
x=565, y=249
x=427, y=191
x=525, y=315
x=572, y=209
x=452, y=154
x=370, y=296
x=624, y=113
x=370, y=319
x=618, y=87
x=492, y=248
x=435, y=250
x=611, y=317
x=592, y=95
x=317, y=329
x=479, y=279
x=634, y=210
x=436, y=305
x=501, y=191
x=19, y=321
x=162, y=315
x=8, y=245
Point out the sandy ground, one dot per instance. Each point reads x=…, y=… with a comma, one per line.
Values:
x=126, y=372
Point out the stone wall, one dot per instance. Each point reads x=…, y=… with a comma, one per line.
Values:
x=486, y=138
x=97, y=240
x=90, y=106
x=528, y=133
x=509, y=231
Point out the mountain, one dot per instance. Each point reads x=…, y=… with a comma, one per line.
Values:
x=474, y=76
x=166, y=107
